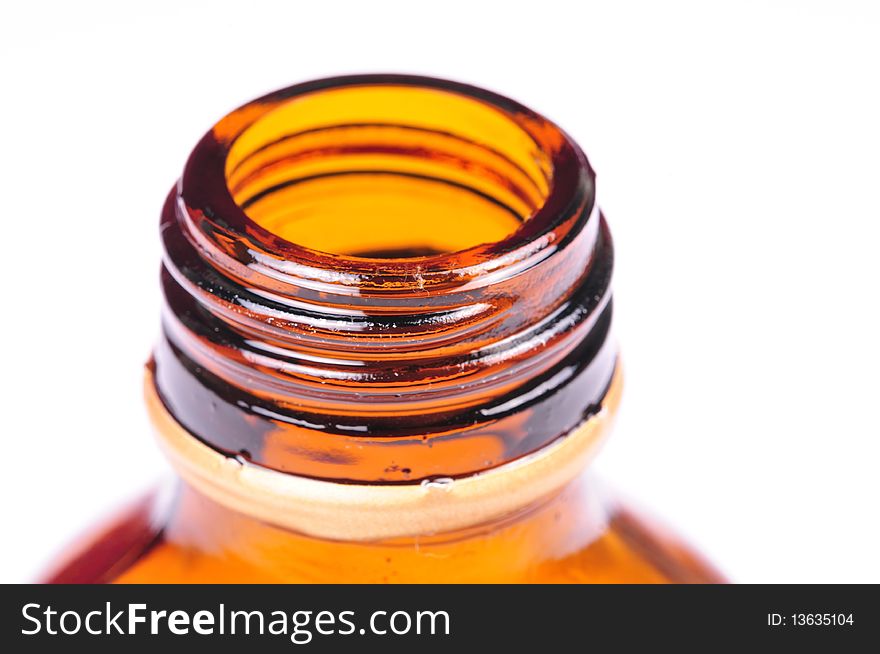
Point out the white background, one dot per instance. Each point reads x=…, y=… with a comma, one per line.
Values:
x=738, y=152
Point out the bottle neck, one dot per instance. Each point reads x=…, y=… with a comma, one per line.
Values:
x=386, y=299
x=384, y=367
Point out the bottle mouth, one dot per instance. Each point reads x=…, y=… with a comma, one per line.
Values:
x=384, y=279
x=380, y=183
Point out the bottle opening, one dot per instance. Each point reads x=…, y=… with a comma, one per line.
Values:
x=388, y=171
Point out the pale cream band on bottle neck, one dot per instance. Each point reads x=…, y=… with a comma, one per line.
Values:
x=371, y=512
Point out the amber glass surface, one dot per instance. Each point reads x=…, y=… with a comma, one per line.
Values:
x=383, y=281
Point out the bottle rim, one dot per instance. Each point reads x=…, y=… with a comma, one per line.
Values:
x=215, y=219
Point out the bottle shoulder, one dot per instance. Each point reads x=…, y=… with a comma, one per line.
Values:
x=574, y=538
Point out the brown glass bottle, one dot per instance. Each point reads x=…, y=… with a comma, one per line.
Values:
x=385, y=353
